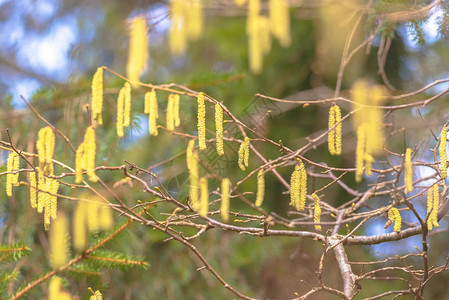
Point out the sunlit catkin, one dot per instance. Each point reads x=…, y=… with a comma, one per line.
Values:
x=33, y=190
x=193, y=178
x=360, y=154
x=12, y=164
x=395, y=217
x=138, y=49
x=177, y=31
x=170, y=121
x=127, y=105
x=176, y=118
x=295, y=186
x=334, y=136
x=204, y=204
x=408, y=171
x=201, y=122
x=243, y=154
x=79, y=227
x=153, y=113
x=90, y=152
x=58, y=242
x=49, y=145
x=433, y=218
x=280, y=21
x=224, y=210
x=189, y=153
x=54, y=288
x=97, y=96
x=120, y=111
x=92, y=213
x=80, y=163
x=53, y=189
x=256, y=49
x=96, y=296
x=260, y=188
x=219, y=128
x=442, y=148
x=194, y=18
x=317, y=211
x=45, y=146
x=105, y=217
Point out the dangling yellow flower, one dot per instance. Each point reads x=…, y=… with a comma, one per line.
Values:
x=170, y=113
x=85, y=157
x=12, y=165
x=97, y=96
x=176, y=118
x=280, y=21
x=334, y=136
x=219, y=128
x=442, y=148
x=395, y=217
x=120, y=112
x=298, y=187
x=194, y=181
x=317, y=211
x=408, y=171
x=201, y=122
x=243, y=154
x=58, y=244
x=127, y=105
x=80, y=227
x=225, y=186
x=260, y=188
x=138, y=49
x=151, y=108
x=204, y=204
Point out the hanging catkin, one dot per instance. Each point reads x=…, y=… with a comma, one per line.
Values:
x=224, y=210
x=395, y=217
x=97, y=96
x=243, y=154
x=177, y=30
x=127, y=105
x=201, y=122
x=408, y=171
x=79, y=227
x=298, y=187
x=176, y=118
x=334, y=136
x=33, y=190
x=120, y=111
x=85, y=157
x=170, y=121
x=12, y=165
x=153, y=113
x=317, y=211
x=442, y=148
x=260, y=188
x=219, y=128
x=193, y=177
x=138, y=49
x=204, y=203
x=58, y=242
x=360, y=153
x=280, y=21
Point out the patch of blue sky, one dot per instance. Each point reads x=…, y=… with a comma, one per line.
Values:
x=430, y=29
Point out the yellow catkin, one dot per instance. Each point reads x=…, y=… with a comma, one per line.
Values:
x=254, y=37
x=53, y=189
x=177, y=31
x=224, y=210
x=193, y=177
x=243, y=154
x=138, y=49
x=146, y=103
x=395, y=217
x=47, y=206
x=201, y=122
x=79, y=227
x=360, y=154
x=204, y=204
x=429, y=216
x=334, y=136
x=58, y=242
x=41, y=196
x=49, y=145
x=40, y=145
x=170, y=121
x=120, y=112
x=303, y=190
x=219, y=128
x=280, y=21
x=260, y=188
x=442, y=148
x=408, y=171
x=127, y=105
x=54, y=288
x=189, y=153
x=153, y=113
x=176, y=118
x=12, y=164
x=106, y=217
x=317, y=211
x=33, y=191
x=97, y=96
x=295, y=187
x=365, y=95
x=263, y=30
x=79, y=163
x=90, y=152
x=435, y=206
x=92, y=213
x=194, y=18
x=96, y=296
